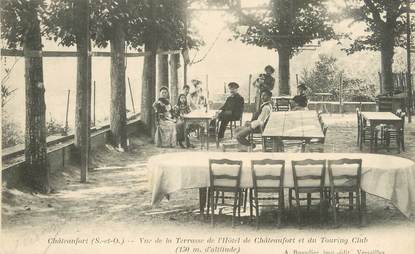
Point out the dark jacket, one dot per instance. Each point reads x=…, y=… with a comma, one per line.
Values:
x=235, y=104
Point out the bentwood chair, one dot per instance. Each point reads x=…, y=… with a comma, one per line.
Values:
x=345, y=177
x=268, y=187
x=225, y=176
x=309, y=177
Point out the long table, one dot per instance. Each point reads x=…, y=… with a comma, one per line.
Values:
x=292, y=125
x=386, y=176
x=378, y=118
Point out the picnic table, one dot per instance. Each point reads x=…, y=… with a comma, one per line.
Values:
x=386, y=176
x=292, y=125
x=378, y=118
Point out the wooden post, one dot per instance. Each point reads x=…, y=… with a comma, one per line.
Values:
x=131, y=94
x=341, y=94
x=174, y=80
x=65, y=131
x=408, y=60
x=249, y=90
x=207, y=92
x=94, y=106
x=37, y=169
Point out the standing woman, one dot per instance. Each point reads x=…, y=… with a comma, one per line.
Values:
x=182, y=108
x=166, y=124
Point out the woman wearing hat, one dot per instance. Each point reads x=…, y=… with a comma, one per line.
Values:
x=232, y=109
x=300, y=101
x=265, y=81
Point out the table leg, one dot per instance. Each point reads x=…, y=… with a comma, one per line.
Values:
x=363, y=207
x=202, y=200
x=207, y=135
x=372, y=136
x=274, y=145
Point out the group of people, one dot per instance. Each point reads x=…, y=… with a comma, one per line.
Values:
x=171, y=127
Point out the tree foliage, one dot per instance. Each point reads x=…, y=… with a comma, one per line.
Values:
x=383, y=19
x=325, y=77
x=16, y=19
x=292, y=23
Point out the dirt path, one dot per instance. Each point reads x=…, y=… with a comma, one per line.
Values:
x=116, y=198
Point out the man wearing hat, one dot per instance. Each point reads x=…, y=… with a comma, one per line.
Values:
x=265, y=81
x=232, y=109
x=300, y=101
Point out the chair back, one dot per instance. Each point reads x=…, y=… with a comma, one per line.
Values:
x=280, y=104
x=309, y=173
x=225, y=173
x=345, y=173
x=268, y=174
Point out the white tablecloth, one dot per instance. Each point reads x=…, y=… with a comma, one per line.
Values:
x=386, y=176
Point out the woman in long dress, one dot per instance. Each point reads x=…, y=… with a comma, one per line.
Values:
x=166, y=123
x=180, y=109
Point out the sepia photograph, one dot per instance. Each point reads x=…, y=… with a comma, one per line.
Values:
x=207, y=126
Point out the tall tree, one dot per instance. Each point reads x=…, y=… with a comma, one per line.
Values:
x=386, y=25
x=285, y=27
x=21, y=28
x=118, y=22
x=164, y=29
x=67, y=22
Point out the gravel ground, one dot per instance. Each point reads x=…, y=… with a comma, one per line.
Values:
x=116, y=199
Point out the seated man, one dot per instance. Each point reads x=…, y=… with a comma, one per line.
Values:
x=300, y=101
x=232, y=109
x=258, y=121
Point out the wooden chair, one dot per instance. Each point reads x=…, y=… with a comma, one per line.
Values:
x=268, y=185
x=345, y=177
x=281, y=104
x=398, y=134
x=293, y=146
x=233, y=123
x=364, y=131
x=225, y=176
x=317, y=145
x=308, y=180
x=256, y=138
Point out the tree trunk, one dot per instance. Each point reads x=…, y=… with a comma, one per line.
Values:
x=37, y=174
x=387, y=52
x=283, y=71
x=118, y=117
x=162, y=71
x=148, y=92
x=83, y=90
x=174, y=66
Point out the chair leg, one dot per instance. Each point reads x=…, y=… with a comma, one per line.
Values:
x=350, y=200
x=334, y=208
x=212, y=206
x=321, y=206
x=235, y=202
x=280, y=207
x=240, y=200
x=245, y=198
x=290, y=195
x=402, y=137
x=358, y=206
x=208, y=203
x=256, y=209
x=251, y=208
x=297, y=199
x=308, y=201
